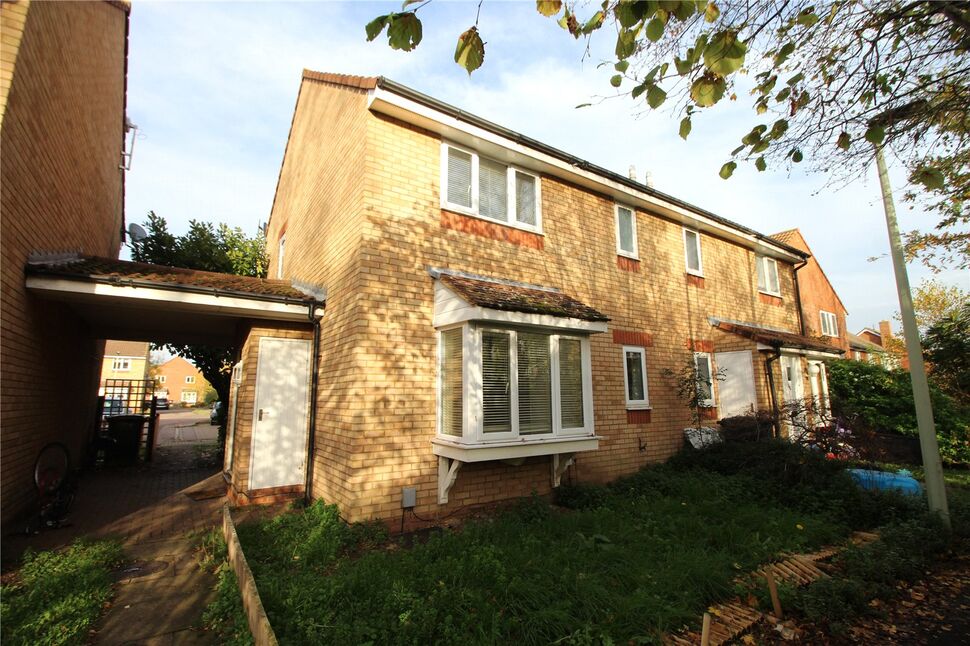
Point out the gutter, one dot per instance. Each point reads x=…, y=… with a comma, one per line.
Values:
x=572, y=160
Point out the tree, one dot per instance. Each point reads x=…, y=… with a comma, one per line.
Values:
x=933, y=301
x=827, y=80
x=209, y=248
x=946, y=347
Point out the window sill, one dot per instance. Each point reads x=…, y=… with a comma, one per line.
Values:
x=692, y=272
x=639, y=406
x=511, y=449
x=502, y=223
x=767, y=293
x=628, y=256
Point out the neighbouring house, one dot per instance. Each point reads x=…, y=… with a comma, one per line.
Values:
x=874, y=347
x=62, y=131
x=123, y=361
x=180, y=381
x=500, y=315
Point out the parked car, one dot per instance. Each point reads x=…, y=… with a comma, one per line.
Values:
x=114, y=406
x=161, y=403
x=215, y=413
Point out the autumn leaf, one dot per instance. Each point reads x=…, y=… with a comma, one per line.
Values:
x=548, y=8
x=470, y=52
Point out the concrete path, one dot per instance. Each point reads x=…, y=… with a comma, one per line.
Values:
x=162, y=593
x=181, y=426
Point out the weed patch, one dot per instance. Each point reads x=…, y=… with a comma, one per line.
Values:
x=58, y=596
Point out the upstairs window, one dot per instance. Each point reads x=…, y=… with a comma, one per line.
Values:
x=626, y=232
x=830, y=325
x=692, y=252
x=121, y=364
x=635, y=378
x=190, y=379
x=768, y=275
x=162, y=379
x=489, y=189
x=705, y=379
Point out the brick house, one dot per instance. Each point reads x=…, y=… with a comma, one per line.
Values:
x=500, y=315
x=874, y=347
x=124, y=360
x=181, y=382
x=62, y=129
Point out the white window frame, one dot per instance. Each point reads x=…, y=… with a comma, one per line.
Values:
x=833, y=323
x=636, y=404
x=510, y=211
x=765, y=262
x=620, y=251
x=190, y=379
x=707, y=403
x=700, y=258
x=121, y=364
x=189, y=397
x=280, y=249
x=162, y=379
x=473, y=394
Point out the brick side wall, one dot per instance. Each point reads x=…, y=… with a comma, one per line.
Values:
x=175, y=370
x=817, y=294
x=319, y=205
x=404, y=232
x=60, y=190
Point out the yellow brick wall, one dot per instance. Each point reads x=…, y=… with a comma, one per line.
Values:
x=60, y=190
x=392, y=387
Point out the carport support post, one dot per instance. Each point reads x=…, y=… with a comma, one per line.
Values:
x=932, y=466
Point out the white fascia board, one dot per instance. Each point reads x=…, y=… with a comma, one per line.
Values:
x=501, y=148
x=811, y=354
x=512, y=449
x=171, y=299
x=452, y=309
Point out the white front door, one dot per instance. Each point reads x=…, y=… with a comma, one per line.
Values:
x=736, y=394
x=280, y=413
x=792, y=387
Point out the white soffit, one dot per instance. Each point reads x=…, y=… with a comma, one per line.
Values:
x=503, y=149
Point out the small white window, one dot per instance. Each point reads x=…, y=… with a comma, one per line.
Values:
x=705, y=381
x=489, y=189
x=161, y=379
x=626, y=232
x=830, y=325
x=635, y=378
x=692, y=252
x=768, y=275
x=121, y=364
x=279, y=256
x=190, y=379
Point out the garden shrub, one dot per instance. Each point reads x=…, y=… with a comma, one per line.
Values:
x=870, y=397
x=582, y=496
x=754, y=427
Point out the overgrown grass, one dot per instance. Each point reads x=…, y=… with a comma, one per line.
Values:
x=58, y=596
x=616, y=564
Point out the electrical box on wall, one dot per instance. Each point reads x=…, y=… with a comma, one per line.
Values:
x=409, y=497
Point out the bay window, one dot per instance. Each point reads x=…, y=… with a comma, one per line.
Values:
x=489, y=189
x=506, y=383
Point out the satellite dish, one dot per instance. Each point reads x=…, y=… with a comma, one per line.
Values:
x=136, y=233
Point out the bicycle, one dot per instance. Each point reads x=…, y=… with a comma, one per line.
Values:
x=55, y=488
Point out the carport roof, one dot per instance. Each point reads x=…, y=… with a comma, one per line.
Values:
x=126, y=272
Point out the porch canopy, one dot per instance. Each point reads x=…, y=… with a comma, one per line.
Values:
x=767, y=338
x=126, y=300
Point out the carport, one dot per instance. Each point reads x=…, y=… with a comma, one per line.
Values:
x=273, y=324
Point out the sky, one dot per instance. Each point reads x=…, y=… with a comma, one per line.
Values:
x=212, y=87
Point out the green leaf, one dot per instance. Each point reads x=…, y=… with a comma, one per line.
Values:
x=761, y=107
x=707, y=90
x=712, y=12
x=844, y=141
x=931, y=178
x=404, y=31
x=622, y=66
x=655, y=30
x=640, y=89
x=616, y=80
x=724, y=53
x=795, y=79
x=655, y=96
x=727, y=169
x=796, y=156
x=685, y=10
x=548, y=8
x=760, y=164
x=470, y=52
x=875, y=134
x=594, y=23
x=685, y=128
x=582, y=105
x=375, y=27
x=629, y=14
x=778, y=128
x=807, y=18
x=683, y=67
x=784, y=94
x=783, y=53
x=626, y=43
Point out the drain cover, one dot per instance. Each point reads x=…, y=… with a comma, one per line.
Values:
x=138, y=569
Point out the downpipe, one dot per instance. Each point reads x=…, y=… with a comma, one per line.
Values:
x=312, y=422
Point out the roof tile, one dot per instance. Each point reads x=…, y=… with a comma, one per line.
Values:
x=516, y=298
x=346, y=80
x=777, y=339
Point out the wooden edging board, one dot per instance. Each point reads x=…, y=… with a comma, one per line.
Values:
x=259, y=625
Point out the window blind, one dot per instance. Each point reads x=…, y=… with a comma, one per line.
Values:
x=634, y=377
x=525, y=198
x=496, y=383
x=772, y=271
x=450, y=413
x=535, y=387
x=571, y=383
x=493, y=189
x=692, y=244
x=459, y=178
x=762, y=283
x=625, y=225
x=704, y=390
